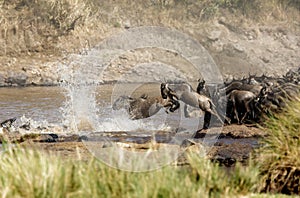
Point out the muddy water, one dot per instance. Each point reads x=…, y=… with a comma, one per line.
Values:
x=48, y=103
x=38, y=103
x=45, y=103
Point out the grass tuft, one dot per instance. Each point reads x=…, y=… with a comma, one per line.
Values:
x=279, y=157
x=30, y=173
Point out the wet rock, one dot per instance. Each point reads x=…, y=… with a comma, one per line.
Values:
x=69, y=138
x=44, y=138
x=2, y=81
x=17, y=79
x=53, y=135
x=83, y=138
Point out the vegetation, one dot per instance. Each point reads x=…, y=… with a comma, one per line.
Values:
x=279, y=157
x=29, y=173
x=45, y=25
x=275, y=169
x=56, y=26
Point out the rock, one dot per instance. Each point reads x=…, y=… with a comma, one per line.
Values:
x=83, y=138
x=265, y=59
x=214, y=35
x=2, y=80
x=127, y=24
x=238, y=48
x=69, y=138
x=187, y=142
x=229, y=154
x=45, y=138
x=17, y=79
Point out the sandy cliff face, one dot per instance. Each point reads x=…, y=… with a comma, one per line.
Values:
x=33, y=45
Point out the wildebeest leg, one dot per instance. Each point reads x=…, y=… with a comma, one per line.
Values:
x=236, y=113
x=224, y=117
x=171, y=106
x=215, y=114
x=175, y=105
x=167, y=106
x=185, y=110
x=248, y=109
x=207, y=118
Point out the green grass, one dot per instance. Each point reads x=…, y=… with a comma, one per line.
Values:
x=30, y=173
x=274, y=170
x=279, y=158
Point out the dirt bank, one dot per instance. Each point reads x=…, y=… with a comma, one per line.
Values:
x=235, y=143
x=256, y=37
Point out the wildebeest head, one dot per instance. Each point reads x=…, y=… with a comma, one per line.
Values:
x=201, y=83
x=262, y=96
x=164, y=90
x=122, y=102
x=7, y=123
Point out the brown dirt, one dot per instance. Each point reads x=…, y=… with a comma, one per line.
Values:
x=71, y=146
x=233, y=131
x=35, y=38
x=67, y=150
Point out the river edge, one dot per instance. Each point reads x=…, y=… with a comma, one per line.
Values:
x=234, y=144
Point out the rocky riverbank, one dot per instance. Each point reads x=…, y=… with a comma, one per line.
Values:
x=235, y=143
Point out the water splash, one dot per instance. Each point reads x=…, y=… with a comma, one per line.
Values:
x=80, y=77
x=120, y=121
x=79, y=111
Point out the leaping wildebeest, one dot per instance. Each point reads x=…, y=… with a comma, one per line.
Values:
x=186, y=94
x=145, y=106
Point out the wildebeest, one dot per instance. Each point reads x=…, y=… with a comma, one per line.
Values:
x=192, y=112
x=186, y=94
x=6, y=125
x=267, y=94
x=254, y=88
x=144, y=106
x=242, y=103
x=202, y=88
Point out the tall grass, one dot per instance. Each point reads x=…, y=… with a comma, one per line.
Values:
x=279, y=158
x=29, y=173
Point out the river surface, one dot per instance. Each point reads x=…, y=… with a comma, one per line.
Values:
x=50, y=104
x=38, y=103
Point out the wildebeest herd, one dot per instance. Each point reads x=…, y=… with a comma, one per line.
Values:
x=236, y=101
